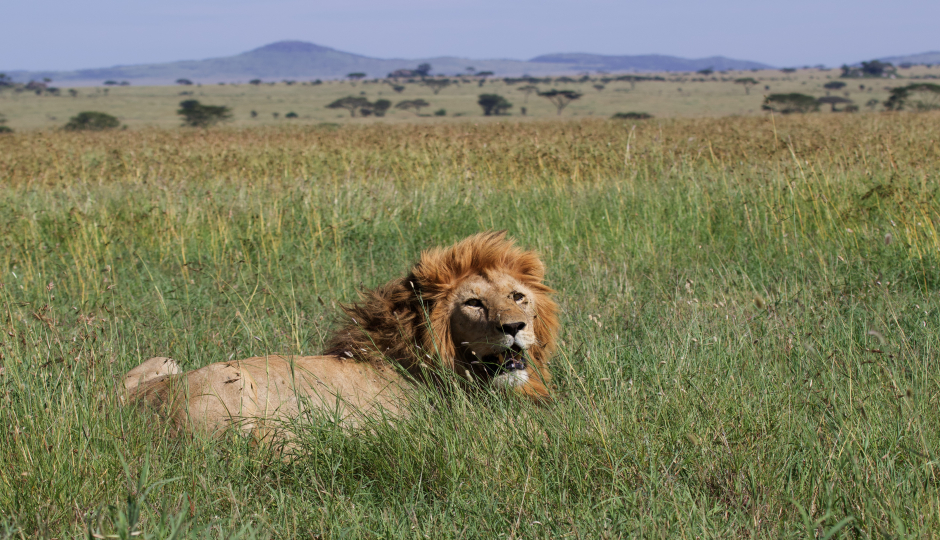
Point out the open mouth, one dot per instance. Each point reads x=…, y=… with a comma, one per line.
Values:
x=511, y=359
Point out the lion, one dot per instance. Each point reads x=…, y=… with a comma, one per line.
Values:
x=478, y=309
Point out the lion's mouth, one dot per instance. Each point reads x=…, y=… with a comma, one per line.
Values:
x=511, y=359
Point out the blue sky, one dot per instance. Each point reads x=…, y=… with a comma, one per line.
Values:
x=56, y=34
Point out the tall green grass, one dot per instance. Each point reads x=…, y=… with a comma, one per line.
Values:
x=749, y=344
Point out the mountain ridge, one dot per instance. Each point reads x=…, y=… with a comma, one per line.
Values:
x=295, y=59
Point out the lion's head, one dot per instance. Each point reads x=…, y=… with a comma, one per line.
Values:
x=478, y=308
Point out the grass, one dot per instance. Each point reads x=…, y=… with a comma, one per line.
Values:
x=749, y=348
x=679, y=95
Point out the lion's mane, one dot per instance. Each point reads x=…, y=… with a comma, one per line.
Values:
x=408, y=320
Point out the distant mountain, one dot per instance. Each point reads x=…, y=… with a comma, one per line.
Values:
x=302, y=60
x=646, y=62
x=932, y=57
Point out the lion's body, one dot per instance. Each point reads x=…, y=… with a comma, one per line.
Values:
x=478, y=309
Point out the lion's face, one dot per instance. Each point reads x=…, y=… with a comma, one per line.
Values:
x=492, y=326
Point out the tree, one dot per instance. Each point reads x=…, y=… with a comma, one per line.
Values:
x=415, y=104
x=707, y=71
x=255, y=82
x=73, y=92
x=381, y=106
x=352, y=104
x=184, y=82
x=599, y=87
x=91, y=121
x=747, y=83
x=875, y=68
x=356, y=76
x=872, y=104
x=834, y=85
x=790, y=103
x=5, y=80
x=560, y=98
x=398, y=88
x=917, y=96
x=3, y=120
x=423, y=70
x=832, y=101
x=528, y=89
x=196, y=114
x=436, y=85
x=291, y=115
x=493, y=104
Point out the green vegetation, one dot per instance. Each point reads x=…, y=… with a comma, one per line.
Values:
x=750, y=316
x=91, y=121
x=632, y=115
x=196, y=114
x=493, y=104
x=560, y=98
x=716, y=95
x=917, y=96
x=791, y=103
x=747, y=83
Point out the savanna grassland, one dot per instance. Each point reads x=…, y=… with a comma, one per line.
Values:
x=750, y=316
x=675, y=95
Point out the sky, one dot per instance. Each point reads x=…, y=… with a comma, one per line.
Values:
x=63, y=35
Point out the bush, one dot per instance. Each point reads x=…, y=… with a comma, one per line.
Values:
x=196, y=114
x=92, y=121
x=440, y=112
x=790, y=103
x=632, y=116
x=291, y=114
x=493, y=104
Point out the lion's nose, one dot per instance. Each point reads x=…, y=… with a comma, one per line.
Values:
x=512, y=328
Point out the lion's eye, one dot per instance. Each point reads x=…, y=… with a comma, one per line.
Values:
x=474, y=302
x=518, y=297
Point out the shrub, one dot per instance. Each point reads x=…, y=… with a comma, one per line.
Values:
x=632, y=116
x=92, y=121
x=291, y=114
x=440, y=112
x=196, y=114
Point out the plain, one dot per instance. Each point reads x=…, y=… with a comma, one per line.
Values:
x=749, y=340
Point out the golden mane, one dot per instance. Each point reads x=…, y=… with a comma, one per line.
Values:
x=408, y=320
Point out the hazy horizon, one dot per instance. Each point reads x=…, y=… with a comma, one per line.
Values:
x=104, y=33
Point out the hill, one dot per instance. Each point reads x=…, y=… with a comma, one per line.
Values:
x=646, y=62
x=302, y=60
x=932, y=57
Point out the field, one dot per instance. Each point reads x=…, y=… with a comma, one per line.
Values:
x=677, y=95
x=750, y=313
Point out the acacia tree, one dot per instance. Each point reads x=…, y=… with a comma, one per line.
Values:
x=560, y=98
x=917, y=96
x=436, y=85
x=528, y=89
x=790, y=103
x=423, y=70
x=493, y=104
x=413, y=104
x=834, y=85
x=832, y=101
x=747, y=83
x=196, y=114
x=353, y=104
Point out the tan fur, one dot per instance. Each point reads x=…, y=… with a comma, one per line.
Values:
x=473, y=309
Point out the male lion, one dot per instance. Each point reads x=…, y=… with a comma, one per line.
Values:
x=478, y=308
